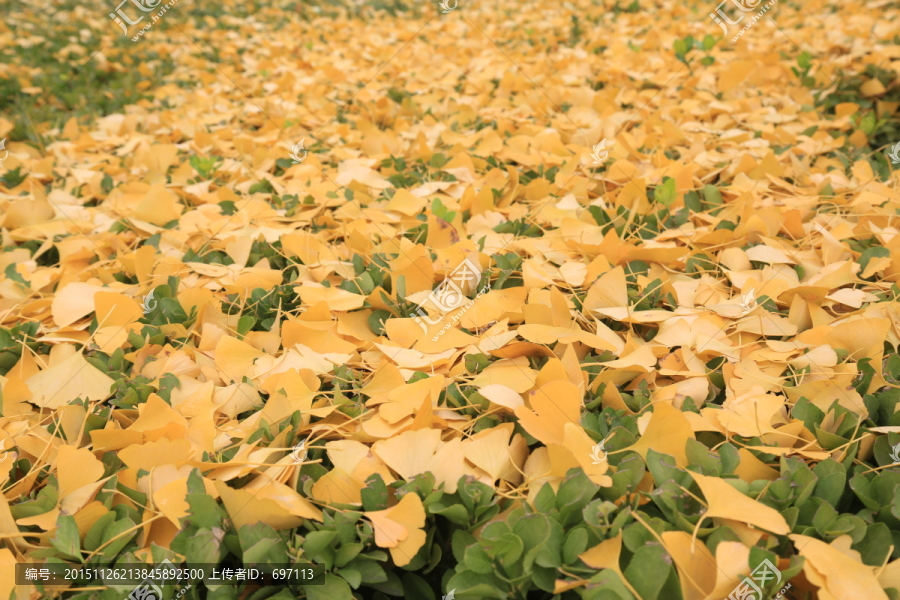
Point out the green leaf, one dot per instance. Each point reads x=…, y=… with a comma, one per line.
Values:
x=374, y=494
x=345, y=525
x=635, y=536
x=459, y=542
x=317, y=541
x=869, y=254
x=115, y=538
x=662, y=467
x=544, y=578
x=575, y=492
x=867, y=373
x=828, y=440
x=369, y=570
x=576, y=543
x=692, y=201
x=545, y=498
x=94, y=536
x=497, y=530
x=204, y=547
x=67, y=539
x=875, y=547
x=416, y=587
x=475, y=495
x=543, y=538
x=245, y=324
x=606, y=585
x=351, y=576
x=472, y=586
x=455, y=513
x=508, y=549
x=204, y=511
x=282, y=595
x=45, y=502
x=392, y=586
x=377, y=319
x=865, y=491
x=666, y=193
x=832, y=481
x=701, y=456
x=892, y=368
x=437, y=161
x=334, y=588
x=809, y=413
x=346, y=553
x=648, y=570
x=630, y=473
x=421, y=484
x=712, y=196
x=730, y=458
x=477, y=560
x=261, y=544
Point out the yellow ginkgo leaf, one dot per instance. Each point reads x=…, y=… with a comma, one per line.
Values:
x=667, y=433
x=155, y=415
x=605, y=555
x=244, y=508
x=845, y=578
x=552, y=406
x=8, y=563
x=235, y=358
x=157, y=453
x=400, y=529
x=73, y=302
x=285, y=497
x=78, y=471
x=408, y=453
x=337, y=487
x=116, y=310
x=502, y=396
x=727, y=502
x=71, y=378
x=695, y=564
x=489, y=450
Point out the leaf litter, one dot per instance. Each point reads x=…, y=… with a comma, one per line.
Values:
x=689, y=350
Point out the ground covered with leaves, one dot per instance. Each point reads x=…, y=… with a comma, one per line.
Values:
x=676, y=357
